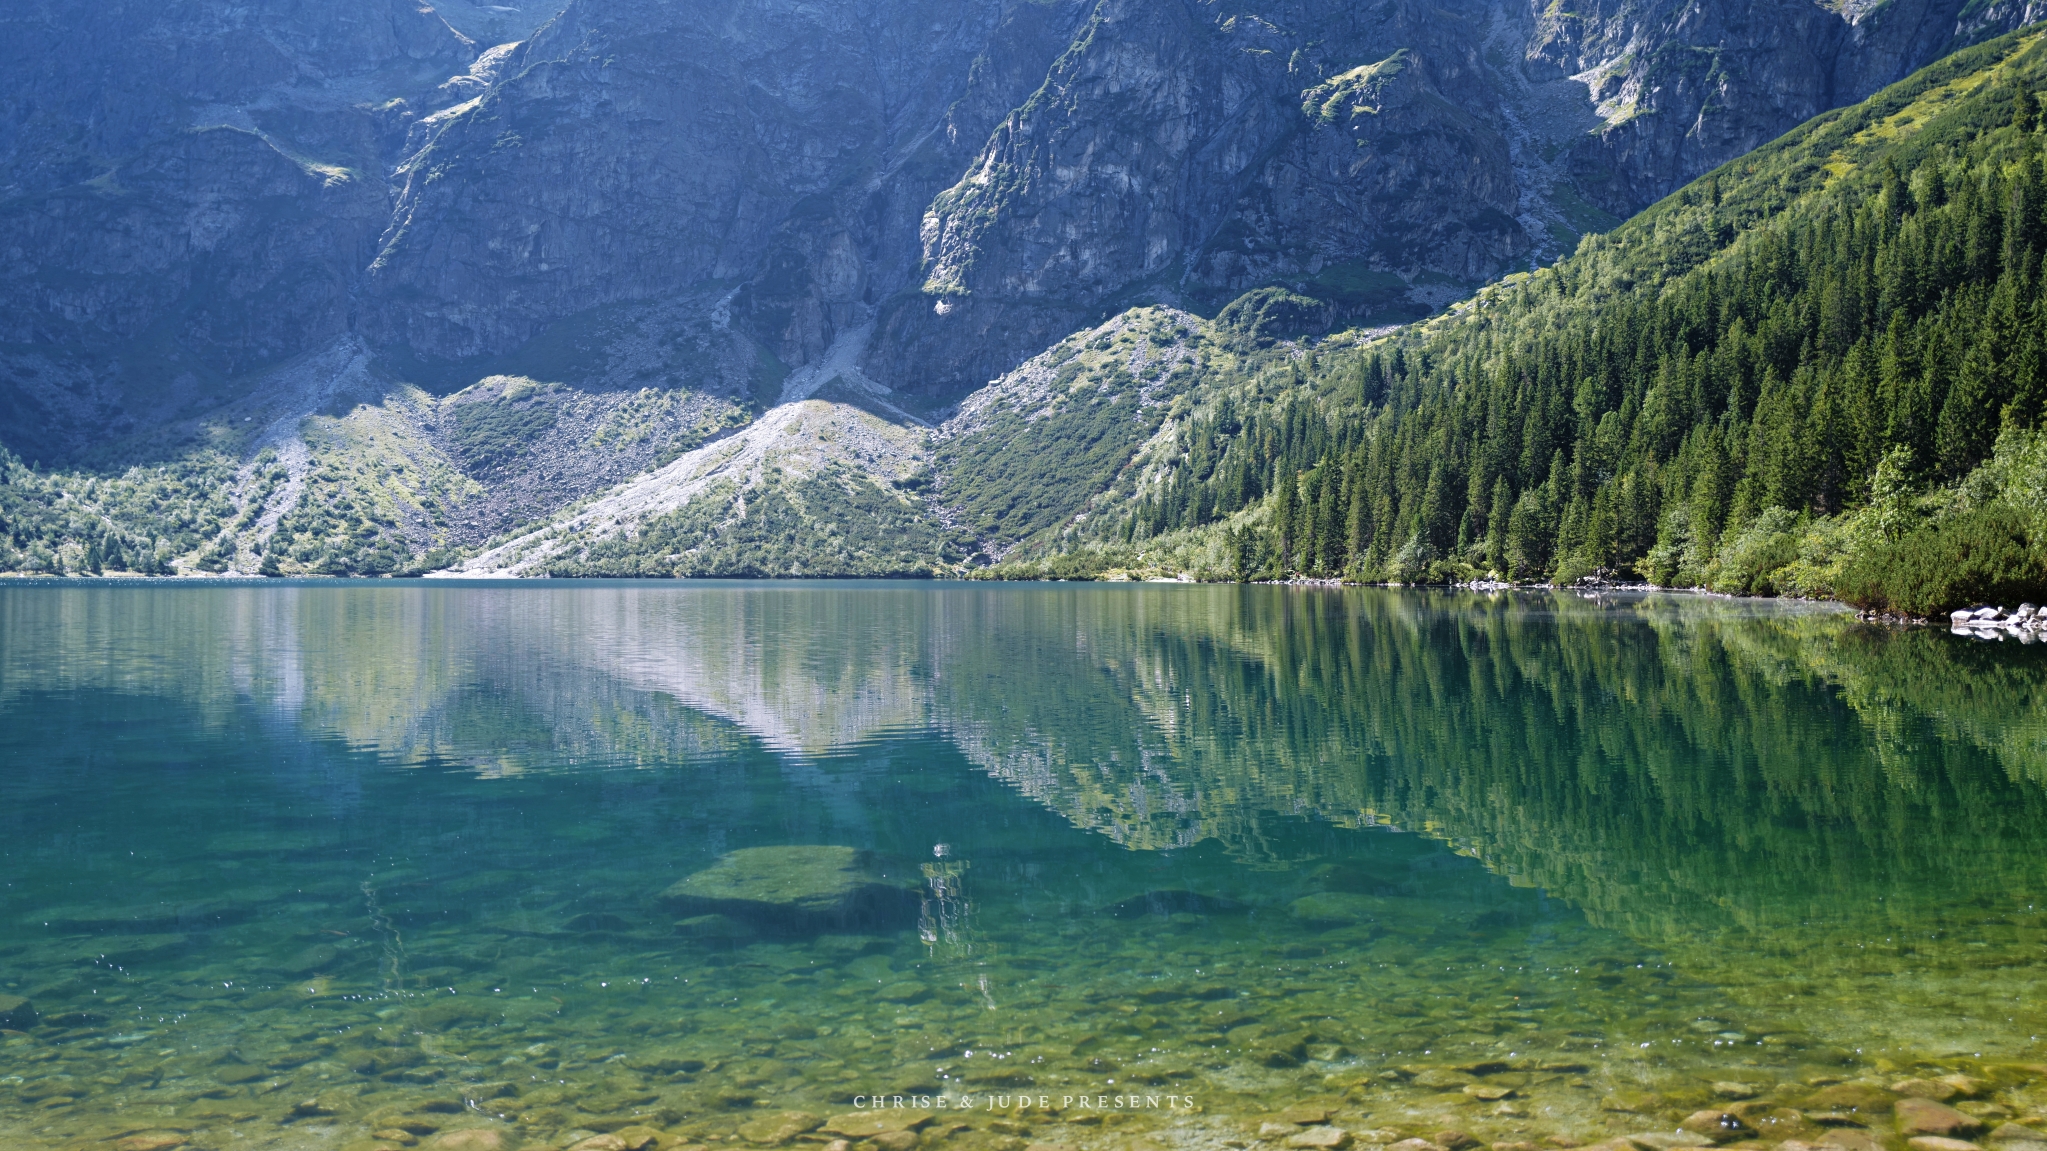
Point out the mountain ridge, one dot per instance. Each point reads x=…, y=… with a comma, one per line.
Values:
x=523, y=358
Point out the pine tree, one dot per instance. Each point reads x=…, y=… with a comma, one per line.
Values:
x=1496, y=534
x=1285, y=514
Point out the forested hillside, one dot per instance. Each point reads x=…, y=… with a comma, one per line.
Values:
x=1819, y=369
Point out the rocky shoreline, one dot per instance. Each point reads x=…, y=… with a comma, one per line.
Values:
x=2025, y=623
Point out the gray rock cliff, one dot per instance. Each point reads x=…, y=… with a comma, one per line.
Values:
x=635, y=150
x=1686, y=85
x=1200, y=150
x=191, y=191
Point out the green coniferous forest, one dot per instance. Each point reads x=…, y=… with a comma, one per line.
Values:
x=1821, y=369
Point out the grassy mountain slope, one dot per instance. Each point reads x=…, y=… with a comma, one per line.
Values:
x=1816, y=369
x=1044, y=444
x=333, y=464
x=842, y=483
x=814, y=488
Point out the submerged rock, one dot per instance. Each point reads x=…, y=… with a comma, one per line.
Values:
x=1669, y=1140
x=16, y=1013
x=1719, y=1126
x=1967, y=1086
x=775, y=1130
x=794, y=890
x=1925, y=1117
x=713, y=927
x=150, y=1141
x=1851, y=1097
x=868, y=1124
x=445, y=1013
x=468, y=1139
x=665, y=1061
x=1337, y=907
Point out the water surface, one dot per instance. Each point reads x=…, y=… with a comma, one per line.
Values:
x=350, y=865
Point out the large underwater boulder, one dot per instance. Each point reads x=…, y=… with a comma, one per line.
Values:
x=797, y=890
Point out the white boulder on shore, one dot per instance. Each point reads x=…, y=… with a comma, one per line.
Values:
x=2026, y=622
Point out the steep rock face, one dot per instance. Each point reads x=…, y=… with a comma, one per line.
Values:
x=637, y=149
x=1686, y=85
x=1980, y=22
x=1204, y=150
x=190, y=190
x=89, y=84
x=205, y=255
x=1360, y=153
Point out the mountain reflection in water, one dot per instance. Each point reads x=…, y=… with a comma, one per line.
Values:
x=1832, y=828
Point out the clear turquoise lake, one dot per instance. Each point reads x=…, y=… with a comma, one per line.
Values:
x=1199, y=867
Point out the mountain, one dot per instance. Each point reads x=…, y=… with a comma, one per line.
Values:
x=367, y=286
x=1821, y=369
x=1373, y=157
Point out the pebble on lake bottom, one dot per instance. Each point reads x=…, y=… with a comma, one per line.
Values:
x=150, y=1141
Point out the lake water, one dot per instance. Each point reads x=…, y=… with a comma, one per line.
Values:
x=373, y=865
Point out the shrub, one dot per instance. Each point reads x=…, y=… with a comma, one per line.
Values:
x=1987, y=554
x=1749, y=562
